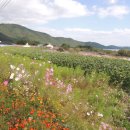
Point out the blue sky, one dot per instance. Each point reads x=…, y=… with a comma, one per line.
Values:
x=103, y=21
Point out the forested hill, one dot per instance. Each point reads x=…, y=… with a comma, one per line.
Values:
x=17, y=33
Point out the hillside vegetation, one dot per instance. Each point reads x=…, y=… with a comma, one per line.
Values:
x=19, y=34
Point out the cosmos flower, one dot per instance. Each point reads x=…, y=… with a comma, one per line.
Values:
x=12, y=76
x=69, y=88
x=6, y=82
x=12, y=67
x=17, y=79
x=100, y=114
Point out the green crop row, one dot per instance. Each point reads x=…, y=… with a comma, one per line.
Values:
x=118, y=70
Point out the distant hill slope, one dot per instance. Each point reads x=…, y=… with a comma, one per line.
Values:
x=18, y=32
x=14, y=33
x=100, y=46
x=5, y=38
x=95, y=45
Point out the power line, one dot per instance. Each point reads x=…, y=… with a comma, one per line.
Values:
x=1, y=2
x=4, y=3
x=7, y=2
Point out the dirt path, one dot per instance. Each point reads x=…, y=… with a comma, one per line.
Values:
x=105, y=55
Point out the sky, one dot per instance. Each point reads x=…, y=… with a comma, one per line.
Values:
x=103, y=21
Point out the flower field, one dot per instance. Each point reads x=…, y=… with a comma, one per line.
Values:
x=42, y=90
x=118, y=70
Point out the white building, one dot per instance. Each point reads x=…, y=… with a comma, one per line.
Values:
x=49, y=46
x=27, y=45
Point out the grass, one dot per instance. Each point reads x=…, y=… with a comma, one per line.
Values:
x=42, y=96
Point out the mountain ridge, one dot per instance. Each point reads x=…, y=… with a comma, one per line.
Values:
x=15, y=33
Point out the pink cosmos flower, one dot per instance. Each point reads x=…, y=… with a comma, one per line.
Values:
x=69, y=88
x=49, y=77
x=6, y=82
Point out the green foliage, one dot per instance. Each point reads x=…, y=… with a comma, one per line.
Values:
x=5, y=38
x=23, y=42
x=16, y=32
x=65, y=46
x=124, y=53
x=85, y=48
x=118, y=70
x=91, y=101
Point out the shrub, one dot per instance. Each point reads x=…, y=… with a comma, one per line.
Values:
x=124, y=53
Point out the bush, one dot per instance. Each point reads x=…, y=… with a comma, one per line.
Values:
x=124, y=53
x=65, y=46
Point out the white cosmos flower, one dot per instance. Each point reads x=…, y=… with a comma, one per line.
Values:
x=17, y=68
x=12, y=76
x=36, y=72
x=100, y=114
x=49, y=62
x=23, y=71
x=12, y=67
x=20, y=76
x=88, y=113
x=91, y=112
x=17, y=79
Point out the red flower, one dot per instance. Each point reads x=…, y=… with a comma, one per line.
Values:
x=22, y=125
x=32, y=129
x=48, y=125
x=40, y=113
x=32, y=112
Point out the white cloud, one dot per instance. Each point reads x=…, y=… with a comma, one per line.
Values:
x=120, y=37
x=117, y=11
x=41, y=11
x=112, y=1
x=78, y=30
